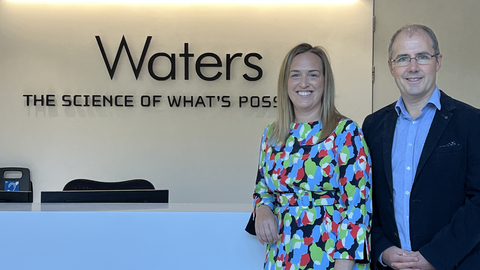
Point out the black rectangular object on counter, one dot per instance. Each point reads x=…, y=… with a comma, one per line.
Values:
x=16, y=196
x=105, y=196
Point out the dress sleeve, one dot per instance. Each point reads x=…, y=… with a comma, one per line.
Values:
x=262, y=194
x=355, y=204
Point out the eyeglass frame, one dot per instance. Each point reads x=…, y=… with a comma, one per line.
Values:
x=410, y=58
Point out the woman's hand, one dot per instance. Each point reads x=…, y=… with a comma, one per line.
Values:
x=266, y=225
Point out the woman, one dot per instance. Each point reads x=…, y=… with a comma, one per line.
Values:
x=312, y=195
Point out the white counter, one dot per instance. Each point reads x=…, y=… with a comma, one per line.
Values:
x=138, y=236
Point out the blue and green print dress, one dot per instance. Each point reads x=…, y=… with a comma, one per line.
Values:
x=320, y=193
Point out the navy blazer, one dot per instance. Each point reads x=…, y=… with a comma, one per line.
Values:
x=445, y=196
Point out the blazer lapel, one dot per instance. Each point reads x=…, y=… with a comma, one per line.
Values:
x=389, y=123
x=439, y=123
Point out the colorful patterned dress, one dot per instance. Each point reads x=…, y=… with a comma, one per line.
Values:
x=320, y=193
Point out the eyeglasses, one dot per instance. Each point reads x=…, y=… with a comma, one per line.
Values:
x=422, y=59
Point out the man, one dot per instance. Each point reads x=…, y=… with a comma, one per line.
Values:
x=425, y=152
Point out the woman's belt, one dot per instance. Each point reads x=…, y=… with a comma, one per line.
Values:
x=306, y=198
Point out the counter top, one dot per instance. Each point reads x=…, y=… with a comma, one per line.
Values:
x=127, y=207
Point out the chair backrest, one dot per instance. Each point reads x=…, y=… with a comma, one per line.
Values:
x=87, y=184
x=15, y=179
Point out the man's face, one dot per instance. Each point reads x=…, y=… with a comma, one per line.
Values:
x=416, y=82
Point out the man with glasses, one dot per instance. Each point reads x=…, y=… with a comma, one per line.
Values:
x=425, y=152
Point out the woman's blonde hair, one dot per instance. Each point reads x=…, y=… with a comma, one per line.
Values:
x=285, y=113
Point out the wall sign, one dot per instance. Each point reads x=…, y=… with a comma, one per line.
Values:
x=206, y=60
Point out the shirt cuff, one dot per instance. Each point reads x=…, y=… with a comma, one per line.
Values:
x=380, y=260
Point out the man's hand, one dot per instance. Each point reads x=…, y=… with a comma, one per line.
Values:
x=400, y=259
x=420, y=264
x=266, y=225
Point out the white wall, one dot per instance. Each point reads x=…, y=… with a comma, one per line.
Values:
x=456, y=25
x=199, y=154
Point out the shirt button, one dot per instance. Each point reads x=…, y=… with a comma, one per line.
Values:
x=408, y=168
x=409, y=144
x=407, y=192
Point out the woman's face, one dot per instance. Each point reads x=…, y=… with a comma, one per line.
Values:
x=305, y=86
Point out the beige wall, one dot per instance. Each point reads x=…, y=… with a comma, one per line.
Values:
x=456, y=25
x=199, y=154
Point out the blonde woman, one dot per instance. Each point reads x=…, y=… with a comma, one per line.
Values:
x=312, y=195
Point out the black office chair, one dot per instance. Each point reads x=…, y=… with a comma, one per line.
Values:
x=87, y=184
x=15, y=185
x=92, y=191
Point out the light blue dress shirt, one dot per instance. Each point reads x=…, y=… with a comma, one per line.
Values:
x=408, y=142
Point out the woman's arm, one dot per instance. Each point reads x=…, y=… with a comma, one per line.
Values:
x=266, y=227
x=343, y=264
x=354, y=191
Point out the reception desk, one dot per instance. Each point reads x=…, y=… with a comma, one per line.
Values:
x=136, y=236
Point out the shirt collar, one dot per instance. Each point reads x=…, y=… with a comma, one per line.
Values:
x=434, y=100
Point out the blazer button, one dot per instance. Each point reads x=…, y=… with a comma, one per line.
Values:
x=395, y=234
x=391, y=200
